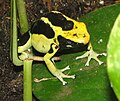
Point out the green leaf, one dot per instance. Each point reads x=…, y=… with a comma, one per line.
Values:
x=91, y=83
x=113, y=62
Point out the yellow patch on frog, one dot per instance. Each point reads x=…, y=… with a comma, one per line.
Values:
x=41, y=43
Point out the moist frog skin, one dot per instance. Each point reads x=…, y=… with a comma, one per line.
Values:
x=54, y=32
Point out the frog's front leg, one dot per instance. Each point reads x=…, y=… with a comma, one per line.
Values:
x=25, y=46
x=91, y=54
x=56, y=72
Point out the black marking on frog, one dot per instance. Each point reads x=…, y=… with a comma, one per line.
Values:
x=22, y=39
x=57, y=19
x=40, y=27
x=68, y=46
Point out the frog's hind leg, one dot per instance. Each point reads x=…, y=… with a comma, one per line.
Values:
x=91, y=54
x=56, y=72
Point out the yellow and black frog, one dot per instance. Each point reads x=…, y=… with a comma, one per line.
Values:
x=55, y=32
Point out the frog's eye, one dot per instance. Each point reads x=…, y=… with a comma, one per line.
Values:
x=68, y=25
x=60, y=17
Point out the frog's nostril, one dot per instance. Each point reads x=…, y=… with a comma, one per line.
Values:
x=86, y=38
x=84, y=35
x=75, y=34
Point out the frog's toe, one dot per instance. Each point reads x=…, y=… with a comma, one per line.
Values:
x=82, y=56
x=91, y=55
x=66, y=68
x=104, y=54
x=87, y=64
x=100, y=63
x=64, y=83
x=61, y=75
x=96, y=55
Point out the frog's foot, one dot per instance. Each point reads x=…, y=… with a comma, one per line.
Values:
x=91, y=54
x=58, y=73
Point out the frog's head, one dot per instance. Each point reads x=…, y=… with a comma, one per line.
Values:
x=68, y=28
x=78, y=34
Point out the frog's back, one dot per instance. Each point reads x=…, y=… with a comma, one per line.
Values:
x=54, y=19
x=40, y=27
x=58, y=19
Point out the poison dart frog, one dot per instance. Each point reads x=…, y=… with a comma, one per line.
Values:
x=54, y=32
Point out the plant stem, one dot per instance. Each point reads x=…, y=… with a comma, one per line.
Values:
x=27, y=66
x=13, y=35
x=28, y=80
x=22, y=16
x=13, y=45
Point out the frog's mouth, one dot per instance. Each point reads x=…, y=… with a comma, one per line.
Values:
x=83, y=39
